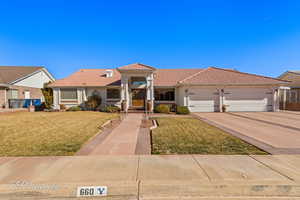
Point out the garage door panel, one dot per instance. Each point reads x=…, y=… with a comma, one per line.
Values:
x=248, y=100
x=203, y=100
x=203, y=108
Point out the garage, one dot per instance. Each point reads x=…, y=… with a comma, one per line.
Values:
x=248, y=99
x=203, y=100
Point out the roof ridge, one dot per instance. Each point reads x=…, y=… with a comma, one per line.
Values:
x=12, y=66
x=236, y=71
x=147, y=66
x=189, y=77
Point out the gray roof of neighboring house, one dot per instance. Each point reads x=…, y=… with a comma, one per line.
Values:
x=295, y=71
x=10, y=74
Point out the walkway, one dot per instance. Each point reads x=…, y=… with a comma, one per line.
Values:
x=152, y=177
x=122, y=140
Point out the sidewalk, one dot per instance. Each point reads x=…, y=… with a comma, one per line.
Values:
x=156, y=177
x=123, y=139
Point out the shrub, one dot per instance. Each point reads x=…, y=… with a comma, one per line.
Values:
x=62, y=107
x=162, y=108
x=110, y=109
x=48, y=95
x=74, y=108
x=182, y=110
x=93, y=102
x=40, y=107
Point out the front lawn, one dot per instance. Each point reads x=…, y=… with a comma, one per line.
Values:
x=192, y=136
x=48, y=133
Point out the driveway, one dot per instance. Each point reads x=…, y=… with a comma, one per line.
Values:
x=275, y=132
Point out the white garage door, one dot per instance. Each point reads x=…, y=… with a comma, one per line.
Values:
x=203, y=100
x=248, y=99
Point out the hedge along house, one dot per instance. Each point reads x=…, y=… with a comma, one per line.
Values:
x=135, y=86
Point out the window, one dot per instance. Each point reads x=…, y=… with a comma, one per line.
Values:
x=13, y=94
x=138, y=81
x=68, y=94
x=164, y=94
x=113, y=94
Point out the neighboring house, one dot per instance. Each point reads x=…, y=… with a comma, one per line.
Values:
x=22, y=83
x=290, y=99
x=202, y=90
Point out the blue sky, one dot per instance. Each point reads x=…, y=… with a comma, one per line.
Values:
x=256, y=36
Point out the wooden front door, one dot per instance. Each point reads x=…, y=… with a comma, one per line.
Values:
x=138, y=97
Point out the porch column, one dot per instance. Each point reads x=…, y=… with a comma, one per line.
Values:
x=284, y=99
x=126, y=93
x=56, y=98
x=150, y=90
x=221, y=100
x=275, y=100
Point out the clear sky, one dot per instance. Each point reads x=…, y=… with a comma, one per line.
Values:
x=256, y=36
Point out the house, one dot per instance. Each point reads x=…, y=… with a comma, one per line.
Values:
x=22, y=83
x=202, y=90
x=290, y=99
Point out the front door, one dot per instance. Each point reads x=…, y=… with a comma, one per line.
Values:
x=138, y=97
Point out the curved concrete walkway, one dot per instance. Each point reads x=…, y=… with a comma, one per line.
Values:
x=123, y=139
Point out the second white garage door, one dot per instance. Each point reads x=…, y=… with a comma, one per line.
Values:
x=248, y=99
x=203, y=100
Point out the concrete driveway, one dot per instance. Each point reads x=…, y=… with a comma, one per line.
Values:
x=275, y=132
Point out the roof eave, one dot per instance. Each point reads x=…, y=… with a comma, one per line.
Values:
x=218, y=84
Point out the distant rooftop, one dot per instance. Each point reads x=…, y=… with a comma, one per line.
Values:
x=10, y=74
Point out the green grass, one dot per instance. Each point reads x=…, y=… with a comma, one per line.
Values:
x=191, y=136
x=48, y=133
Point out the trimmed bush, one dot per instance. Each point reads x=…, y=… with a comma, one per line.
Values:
x=110, y=109
x=182, y=110
x=74, y=108
x=162, y=108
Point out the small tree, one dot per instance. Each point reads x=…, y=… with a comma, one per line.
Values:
x=93, y=102
x=48, y=95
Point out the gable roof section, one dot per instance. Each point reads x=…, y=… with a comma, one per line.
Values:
x=170, y=77
x=89, y=77
x=292, y=76
x=295, y=71
x=136, y=66
x=219, y=76
x=9, y=74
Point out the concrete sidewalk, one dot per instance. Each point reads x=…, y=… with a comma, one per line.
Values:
x=122, y=140
x=154, y=177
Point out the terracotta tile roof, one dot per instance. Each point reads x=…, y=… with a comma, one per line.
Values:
x=219, y=76
x=89, y=77
x=167, y=77
x=170, y=77
x=9, y=74
x=136, y=66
